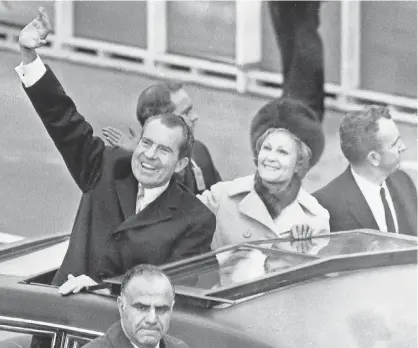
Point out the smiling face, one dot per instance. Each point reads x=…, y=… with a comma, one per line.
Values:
x=156, y=157
x=184, y=107
x=277, y=158
x=145, y=309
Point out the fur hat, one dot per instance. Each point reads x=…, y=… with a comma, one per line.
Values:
x=294, y=116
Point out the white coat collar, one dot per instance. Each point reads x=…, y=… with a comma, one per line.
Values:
x=241, y=185
x=252, y=205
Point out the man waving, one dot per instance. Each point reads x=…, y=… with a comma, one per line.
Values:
x=132, y=209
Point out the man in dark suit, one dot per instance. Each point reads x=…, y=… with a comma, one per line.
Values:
x=132, y=209
x=372, y=192
x=296, y=26
x=200, y=173
x=145, y=306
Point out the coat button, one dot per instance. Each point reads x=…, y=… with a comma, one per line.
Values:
x=247, y=234
x=117, y=236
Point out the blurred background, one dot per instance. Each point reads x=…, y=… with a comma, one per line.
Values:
x=106, y=52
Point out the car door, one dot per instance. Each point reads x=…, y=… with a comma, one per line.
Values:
x=76, y=339
x=18, y=334
x=22, y=333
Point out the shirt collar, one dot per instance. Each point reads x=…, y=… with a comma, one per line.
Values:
x=150, y=194
x=157, y=346
x=366, y=185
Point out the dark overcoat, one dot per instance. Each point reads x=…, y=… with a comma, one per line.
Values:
x=203, y=159
x=108, y=237
x=349, y=210
x=116, y=338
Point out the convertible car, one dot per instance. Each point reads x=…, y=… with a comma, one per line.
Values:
x=349, y=289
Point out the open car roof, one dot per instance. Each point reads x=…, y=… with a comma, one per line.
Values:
x=236, y=273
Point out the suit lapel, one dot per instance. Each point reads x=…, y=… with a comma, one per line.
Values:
x=403, y=211
x=161, y=209
x=117, y=337
x=187, y=177
x=357, y=204
x=127, y=189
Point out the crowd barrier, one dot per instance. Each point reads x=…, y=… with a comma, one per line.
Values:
x=370, y=46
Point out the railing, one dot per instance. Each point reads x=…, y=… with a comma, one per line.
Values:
x=239, y=57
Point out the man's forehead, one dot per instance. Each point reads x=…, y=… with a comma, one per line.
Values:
x=148, y=285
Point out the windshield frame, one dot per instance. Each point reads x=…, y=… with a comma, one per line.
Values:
x=314, y=267
x=29, y=245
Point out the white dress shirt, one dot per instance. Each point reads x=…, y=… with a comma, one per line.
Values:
x=135, y=346
x=371, y=193
x=31, y=73
x=150, y=195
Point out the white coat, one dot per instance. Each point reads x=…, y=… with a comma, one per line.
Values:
x=241, y=215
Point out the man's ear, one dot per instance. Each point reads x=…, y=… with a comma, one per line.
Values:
x=181, y=164
x=121, y=305
x=374, y=158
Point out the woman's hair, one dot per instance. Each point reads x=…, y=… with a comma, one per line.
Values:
x=304, y=154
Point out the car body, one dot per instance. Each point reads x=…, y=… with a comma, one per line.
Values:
x=348, y=289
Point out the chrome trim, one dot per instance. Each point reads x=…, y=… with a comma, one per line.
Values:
x=69, y=336
x=52, y=325
x=36, y=241
x=29, y=331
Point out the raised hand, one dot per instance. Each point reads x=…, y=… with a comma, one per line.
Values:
x=116, y=137
x=113, y=135
x=34, y=34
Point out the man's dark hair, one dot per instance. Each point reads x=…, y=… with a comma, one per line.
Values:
x=143, y=270
x=358, y=132
x=156, y=100
x=173, y=121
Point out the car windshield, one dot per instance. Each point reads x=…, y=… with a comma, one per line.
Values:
x=242, y=271
x=31, y=256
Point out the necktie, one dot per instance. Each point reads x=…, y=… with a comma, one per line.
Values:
x=388, y=214
x=139, y=198
x=198, y=175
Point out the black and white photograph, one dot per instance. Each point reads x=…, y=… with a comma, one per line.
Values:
x=208, y=174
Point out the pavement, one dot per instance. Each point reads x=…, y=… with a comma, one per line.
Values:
x=37, y=194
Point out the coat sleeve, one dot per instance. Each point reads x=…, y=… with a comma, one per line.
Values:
x=70, y=132
x=320, y=215
x=323, y=225
x=100, y=342
x=197, y=238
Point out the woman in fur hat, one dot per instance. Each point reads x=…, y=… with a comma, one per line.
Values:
x=287, y=141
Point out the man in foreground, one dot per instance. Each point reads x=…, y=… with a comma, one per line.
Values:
x=372, y=192
x=132, y=210
x=200, y=173
x=145, y=306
